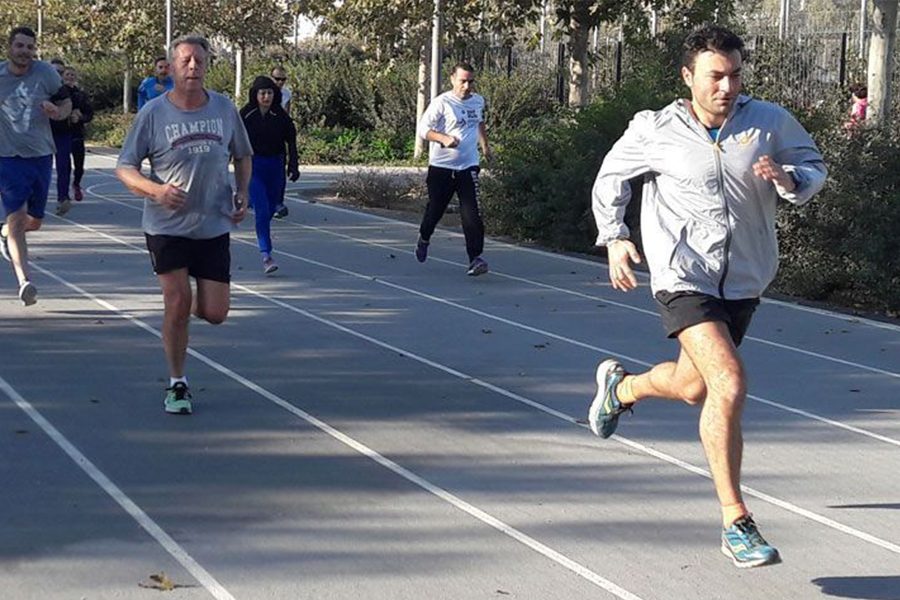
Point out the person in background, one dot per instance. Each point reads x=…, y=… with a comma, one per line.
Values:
x=82, y=114
x=62, y=139
x=155, y=85
x=279, y=76
x=454, y=124
x=859, y=106
x=274, y=140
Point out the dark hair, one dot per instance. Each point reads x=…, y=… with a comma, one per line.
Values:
x=26, y=31
x=462, y=66
x=709, y=37
x=859, y=90
x=159, y=58
x=57, y=61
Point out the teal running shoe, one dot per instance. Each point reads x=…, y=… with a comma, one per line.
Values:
x=603, y=415
x=178, y=399
x=746, y=548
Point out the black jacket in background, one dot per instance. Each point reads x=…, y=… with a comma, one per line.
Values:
x=272, y=132
x=81, y=102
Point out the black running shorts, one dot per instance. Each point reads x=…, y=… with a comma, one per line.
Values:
x=204, y=259
x=680, y=310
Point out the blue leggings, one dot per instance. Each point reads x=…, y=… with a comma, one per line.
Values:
x=265, y=194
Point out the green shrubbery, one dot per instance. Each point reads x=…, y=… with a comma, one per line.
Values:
x=841, y=248
x=109, y=128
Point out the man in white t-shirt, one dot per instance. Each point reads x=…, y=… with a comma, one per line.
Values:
x=454, y=124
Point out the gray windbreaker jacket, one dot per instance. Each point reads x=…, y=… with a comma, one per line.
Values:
x=707, y=222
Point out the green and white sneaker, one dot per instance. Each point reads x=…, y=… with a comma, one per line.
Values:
x=746, y=548
x=603, y=415
x=178, y=399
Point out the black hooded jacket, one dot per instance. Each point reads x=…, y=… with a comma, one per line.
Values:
x=81, y=102
x=271, y=132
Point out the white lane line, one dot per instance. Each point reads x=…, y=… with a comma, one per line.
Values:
x=592, y=297
x=542, y=332
x=583, y=261
x=128, y=505
x=597, y=264
x=785, y=505
x=359, y=447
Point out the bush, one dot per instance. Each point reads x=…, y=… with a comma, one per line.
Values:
x=220, y=78
x=513, y=99
x=843, y=246
x=109, y=128
x=540, y=188
x=101, y=80
x=378, y=188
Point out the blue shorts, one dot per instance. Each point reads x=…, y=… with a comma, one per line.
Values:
x=25, y=181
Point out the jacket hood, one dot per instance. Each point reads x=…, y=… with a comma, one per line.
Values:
x=263, y=83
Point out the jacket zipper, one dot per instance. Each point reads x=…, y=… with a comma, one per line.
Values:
x=721, y=177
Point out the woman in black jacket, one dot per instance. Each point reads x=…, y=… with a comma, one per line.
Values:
x=272, y=135
x=82, y=114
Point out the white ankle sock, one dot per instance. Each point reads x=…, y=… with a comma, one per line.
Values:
x=174, y=380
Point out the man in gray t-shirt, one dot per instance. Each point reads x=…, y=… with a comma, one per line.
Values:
x=31, y=93
x=189, y=135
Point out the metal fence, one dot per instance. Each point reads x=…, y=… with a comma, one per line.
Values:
x=826, y=51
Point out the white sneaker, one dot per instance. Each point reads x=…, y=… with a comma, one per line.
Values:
x=63, y=207
x=28, y=293
x=4, y=245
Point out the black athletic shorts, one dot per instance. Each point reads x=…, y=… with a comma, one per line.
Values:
x=204, y=259
x=680, y=310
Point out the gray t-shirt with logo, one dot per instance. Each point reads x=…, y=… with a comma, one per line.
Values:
x=190, y=149
x=24, y=128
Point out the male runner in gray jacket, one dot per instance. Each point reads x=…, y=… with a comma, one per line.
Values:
x=714, y=167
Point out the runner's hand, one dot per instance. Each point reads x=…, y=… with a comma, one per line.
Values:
x=770, y=170
x=293, y=172
x=240, y=208
x=171, y=196
x=50, y=109
x=451, y=142
x=621, y=253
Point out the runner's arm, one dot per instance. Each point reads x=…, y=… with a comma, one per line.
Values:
x=243, y=167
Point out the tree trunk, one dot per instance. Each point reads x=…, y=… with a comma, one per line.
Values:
x=238, y=73
x=126, y=88
x=579, y=37
x=421, y=98
x=881, y=63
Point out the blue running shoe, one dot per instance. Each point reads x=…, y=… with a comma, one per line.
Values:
x=421, y=250
x=746, y=548
x=603, y=415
